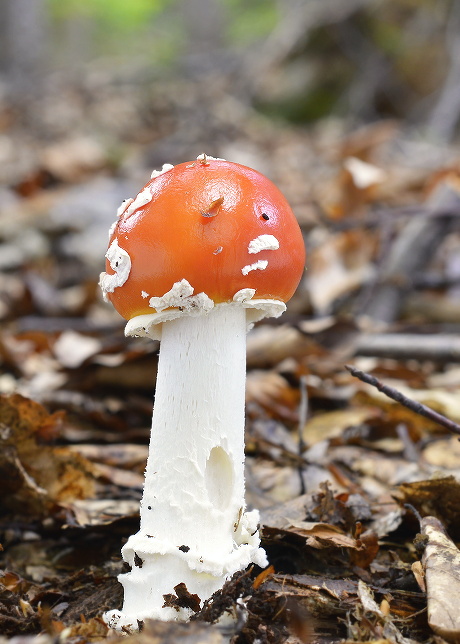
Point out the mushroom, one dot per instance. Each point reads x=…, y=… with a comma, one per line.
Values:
x=206, y=249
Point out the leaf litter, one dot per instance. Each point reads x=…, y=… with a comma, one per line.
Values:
x=333, y=481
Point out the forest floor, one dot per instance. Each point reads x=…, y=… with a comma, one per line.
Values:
x=338, y=470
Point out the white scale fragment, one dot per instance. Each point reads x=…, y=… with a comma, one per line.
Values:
x=260, y=265
x=166, y=167
x=244, y=294
x=144, y=294
x=124, y=204
x=206, y=157
x=181, y=295
x=142, y=199
x=263, y=242
x=120, y=262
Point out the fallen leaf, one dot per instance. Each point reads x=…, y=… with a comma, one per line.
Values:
x=368, y=548
x=331, y=424
x=443, y=453
x=272, y=392
x=322, y=535
x=268, y=346
x=72, y=349
x=33, y=475
x=341, y=264
x=363, y=174
x=99, y=512
x=262, y=577
x=437, y=497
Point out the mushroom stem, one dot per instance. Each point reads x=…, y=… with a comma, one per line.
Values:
x=194, y=528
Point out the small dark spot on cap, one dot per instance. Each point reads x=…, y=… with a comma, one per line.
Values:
x=265, y=216
x=184, y=548
x=137, y=560
x=149, y=507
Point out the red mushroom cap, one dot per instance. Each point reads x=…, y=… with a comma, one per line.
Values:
x=221, y=226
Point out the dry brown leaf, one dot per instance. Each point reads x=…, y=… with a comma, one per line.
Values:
x=127, y=455
x=322, y=535
x=156, y=632
x=272, y=392
x=99, y=512
x=389, y=470
x=14, y=582
x=358, y=184
x=419, y=574
x=118, y=476
x=338, y=266
x=443, y=453
x=368, y=547
x=72, y=349
x=325, y=597
x=35, y=476
x=269, y=345
x=438, y=497
x=71, y=159
x=94, y=629
x=269, y=483
x=327, y=425
x=262, y=577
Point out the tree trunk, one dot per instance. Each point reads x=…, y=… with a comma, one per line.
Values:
x=23, y=38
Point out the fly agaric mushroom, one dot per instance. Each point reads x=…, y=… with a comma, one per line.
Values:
x=204, y=250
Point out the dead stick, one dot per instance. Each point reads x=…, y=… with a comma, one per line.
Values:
x=414, y=405
x=303, y=415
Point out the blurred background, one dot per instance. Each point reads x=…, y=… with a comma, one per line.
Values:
x=352, y=107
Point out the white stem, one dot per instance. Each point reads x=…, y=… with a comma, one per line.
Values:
x=193, y=525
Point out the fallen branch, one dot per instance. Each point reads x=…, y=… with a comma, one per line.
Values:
x=441, y=565
x=396, y=395
x=442, y=347
x=411, y=253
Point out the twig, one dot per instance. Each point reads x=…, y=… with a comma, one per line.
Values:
x=442, y=347
x=411, y=252
x=411, y=451
x=303, y=415
x=396, y=395
x=446, y=112
x=414, y=511
x=298, y=19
